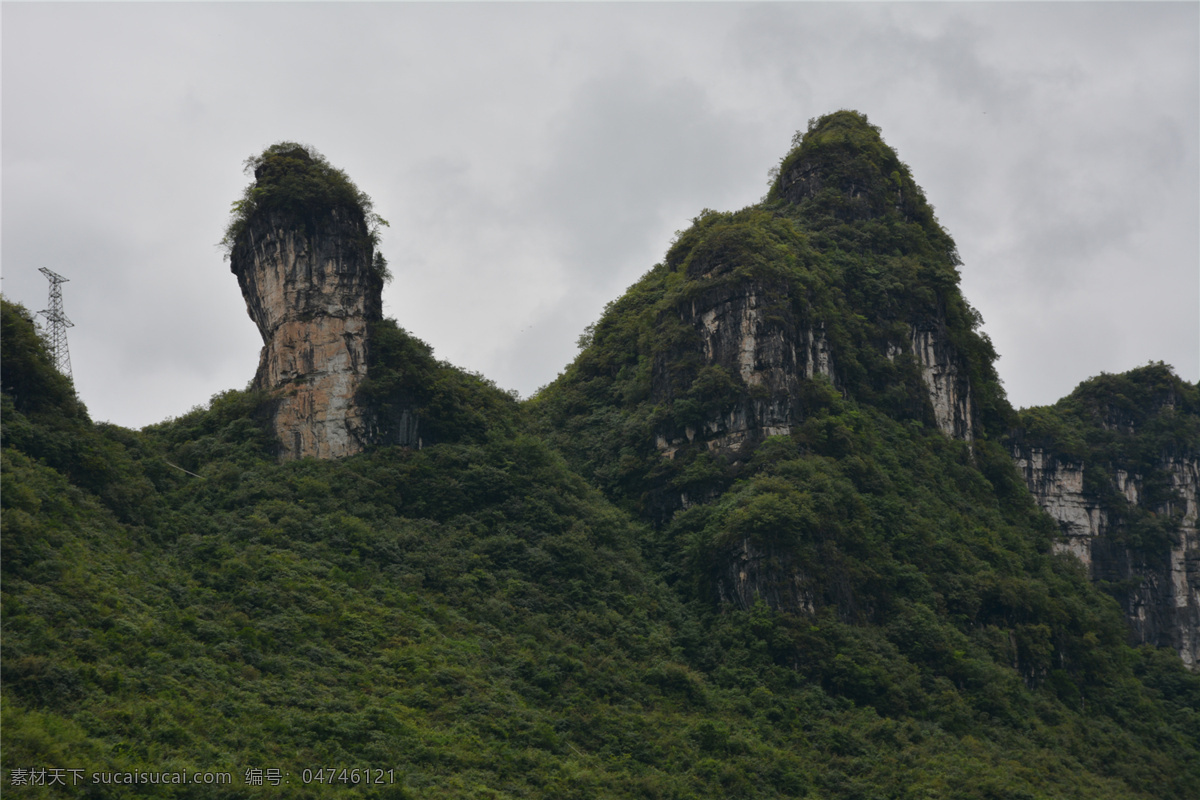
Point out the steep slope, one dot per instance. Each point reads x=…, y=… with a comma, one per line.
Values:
x=468, y=615
x=1117, y=465
x=471, y=620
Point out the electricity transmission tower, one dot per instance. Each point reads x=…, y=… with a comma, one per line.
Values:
x=58, y=324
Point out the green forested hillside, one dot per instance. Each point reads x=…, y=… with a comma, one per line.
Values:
x=907, y=571
x=522, y=608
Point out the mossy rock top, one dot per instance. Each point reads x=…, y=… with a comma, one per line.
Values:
x=295, y=181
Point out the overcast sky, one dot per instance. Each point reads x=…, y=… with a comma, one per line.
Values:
x=534, y=160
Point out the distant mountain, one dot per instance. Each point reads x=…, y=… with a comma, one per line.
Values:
x=775, y=533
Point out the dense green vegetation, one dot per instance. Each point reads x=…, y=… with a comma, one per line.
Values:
x=299, y=185
x=515, y=609
x=1132, y=420
x=452, y=406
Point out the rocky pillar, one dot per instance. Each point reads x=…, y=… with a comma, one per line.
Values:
x=312, y=291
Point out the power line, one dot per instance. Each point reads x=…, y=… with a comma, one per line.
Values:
x=58, y=324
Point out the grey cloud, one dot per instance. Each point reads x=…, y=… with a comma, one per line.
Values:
x=631, y=154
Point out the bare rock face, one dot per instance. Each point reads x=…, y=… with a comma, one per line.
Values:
x=1184, y=562
x=1163, y=605
x=312, y=292
x=749, y=331
x=946, y=380
x=1058, y=489
x=750, y=572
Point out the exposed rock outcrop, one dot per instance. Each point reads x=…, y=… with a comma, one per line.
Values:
x=312, y=292
x=945, y=378
x=759, y=309
x=1163, y=601
x=750, y=331
x=1184, y=565
x=1058, y=489
x=750, y=572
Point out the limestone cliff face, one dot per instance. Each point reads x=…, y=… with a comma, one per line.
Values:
x=1184, y=562
x=312, y=292
x=946, y=379
x=1058, y=489
x=749, y=572
x=760, y=310
x=749, y=330
x=1163, y=605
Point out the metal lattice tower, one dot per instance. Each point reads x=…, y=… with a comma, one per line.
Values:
x=58, y=324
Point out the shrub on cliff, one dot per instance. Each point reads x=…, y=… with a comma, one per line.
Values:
x=300, y=183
